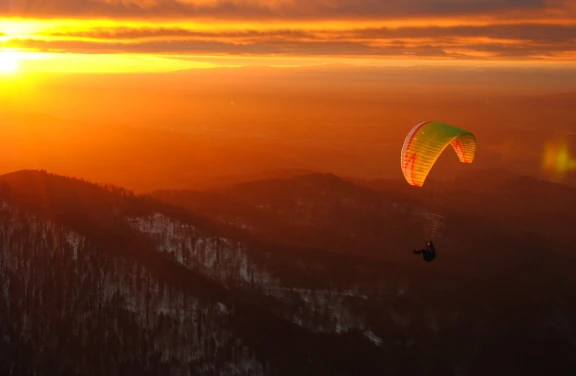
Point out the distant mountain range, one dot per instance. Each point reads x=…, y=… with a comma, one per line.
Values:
x=307, y=274
x=483, y=213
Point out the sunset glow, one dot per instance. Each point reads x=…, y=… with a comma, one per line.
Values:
x=171, y=35
x=261, y=73
x=8, y=62
x=287, y=187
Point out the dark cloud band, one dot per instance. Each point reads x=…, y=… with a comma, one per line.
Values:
x=512, y=36
x=265, y=9
x=542, y=33
x=272, y=47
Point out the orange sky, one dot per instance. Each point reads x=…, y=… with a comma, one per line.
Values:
x=164, y=35
x=458, y=61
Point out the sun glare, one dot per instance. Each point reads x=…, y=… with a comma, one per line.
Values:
x=8, y=62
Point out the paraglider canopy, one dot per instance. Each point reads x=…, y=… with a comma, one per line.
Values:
x=424, y=144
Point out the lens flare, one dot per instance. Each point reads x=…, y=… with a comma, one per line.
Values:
x=557, y=158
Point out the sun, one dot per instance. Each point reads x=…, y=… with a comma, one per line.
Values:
x=8, y=62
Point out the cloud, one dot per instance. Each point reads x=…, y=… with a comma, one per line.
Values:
x=546, y=33
x=278, y=9
x=285, y=47
x=164, y=32
x=194, y=46
x=523, y=50
x=160, y=27
x=500, y=41
x=541, y=33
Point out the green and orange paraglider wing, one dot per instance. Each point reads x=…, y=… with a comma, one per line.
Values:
x=424, y=144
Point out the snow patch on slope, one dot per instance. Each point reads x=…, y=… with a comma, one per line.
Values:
x=219, y=258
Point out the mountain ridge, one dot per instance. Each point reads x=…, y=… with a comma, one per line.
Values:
x=186, y=295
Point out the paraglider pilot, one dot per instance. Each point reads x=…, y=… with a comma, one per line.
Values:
x=428, y=253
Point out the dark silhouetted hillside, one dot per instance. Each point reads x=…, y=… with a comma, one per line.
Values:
x=96, y=280
x=479, y=231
